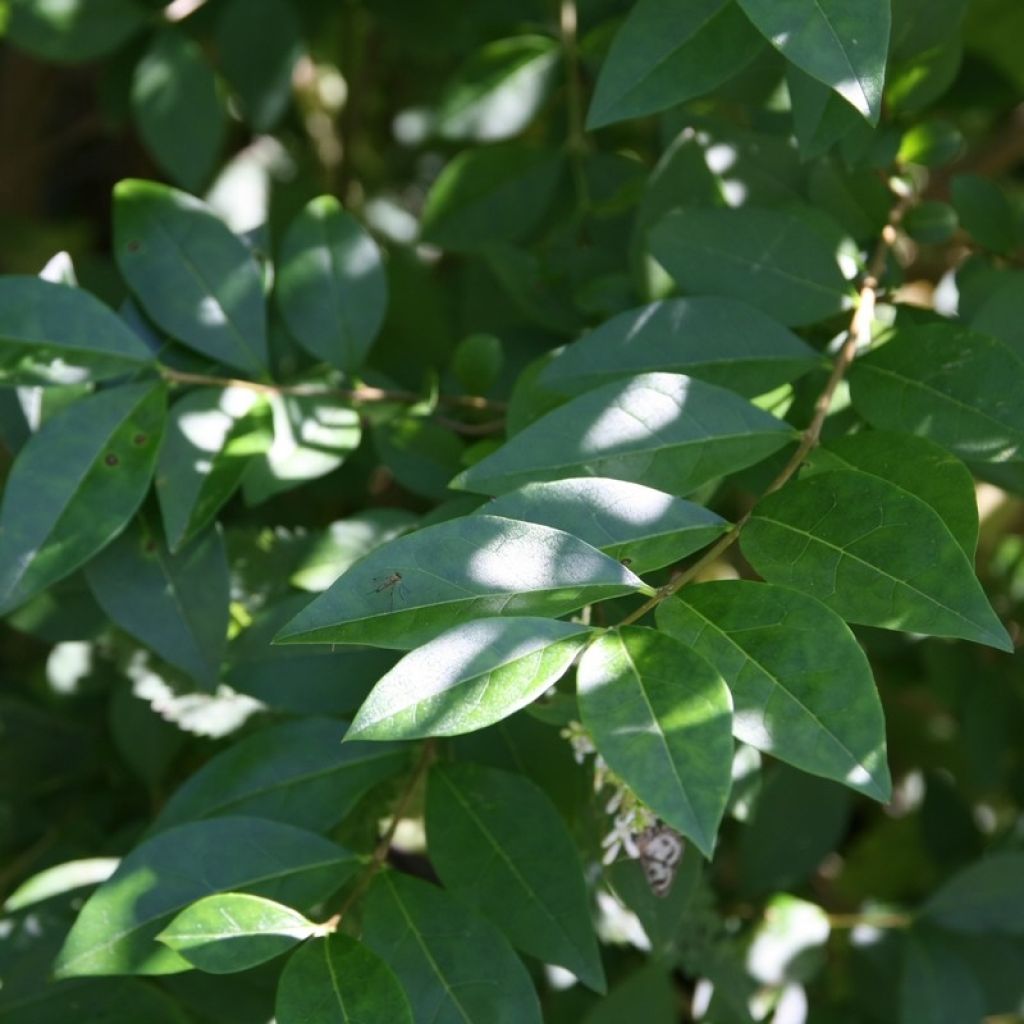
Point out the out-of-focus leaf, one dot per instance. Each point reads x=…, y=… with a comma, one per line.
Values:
x=490, y=195
x=665, y=54
x=257, y=55
x=661, y=717
x=56, y=334
x=75, y=485
x=984, y=211
x=469, y=677
x=60, y=879
x=407, y=592
x=73, y=30
x=641, y=527
x=988, y=896
x=534, y=890
x=774, y=259
x=499, y=91
x=1001, y=312
x=441, y=950
x=192, y=276
x=801, y=686
x=177, y=604
x=647, y=994
x=331, y=286
x=299, y=773
x=233, y=931
x=957, y=387
x=872, y=552
x=663, y=430
x=421, y=455
x=116, y=929
x=340, y=981
x=719, y=340
x=937, y=985
x=178, y=108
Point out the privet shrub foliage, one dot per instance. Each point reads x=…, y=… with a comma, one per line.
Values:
x=463, y=557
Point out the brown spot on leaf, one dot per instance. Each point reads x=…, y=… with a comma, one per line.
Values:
x=111, y=459
x=140, y=438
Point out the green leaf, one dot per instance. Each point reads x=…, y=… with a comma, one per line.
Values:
x=717, y=340
x=56, y=334
x=233, y=931
x=988, y=896
x=984, y=211
x=801, y=686
x=954, y=386
x=343, y=543
x=258, y=55
x=192, y=276
x=1001, y=313
x=299, y=773
x=661, y=717
x=648, y=995
x=660, y=429
x=643, y=528
x=490, y=195
x=312, y=436
x=72, y=30
x=533, y=889
x=339, y=981
x=841, y=44
x=421, y=455
x=774, y=259
x=454, y=966
x=213, y=434
x=667, y=53
x=75, y=485
x=499, y=90
x=916, y=466
x=872, y=552
x=937, y=985
x=468, y=678
x=931, y=223
x=60, y=879
x=407, y=592
x=115, y=931
x=178, y=109
x=477, y=361
x=821, y=117
x=177, y=604
x=331, y=287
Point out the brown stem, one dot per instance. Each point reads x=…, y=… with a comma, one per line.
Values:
x=381, y=850
x=363, y=394
x=881, y=919
x=858, y=334
x=568, y=24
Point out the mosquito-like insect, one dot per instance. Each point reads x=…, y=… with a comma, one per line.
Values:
x=389, y=585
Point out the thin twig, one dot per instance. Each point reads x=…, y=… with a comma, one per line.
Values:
x=383, y=847
x=858, y=335
x=880, y=919
x=364, y=394
x=568, y=24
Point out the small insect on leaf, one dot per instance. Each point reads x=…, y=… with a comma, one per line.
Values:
x=388, y=582
x=661, y=852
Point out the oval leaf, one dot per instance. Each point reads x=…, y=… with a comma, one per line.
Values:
x=212, y=436
x=454, y=965
x=233, y=931
x=73, y=30
x=987, y=896
x=191, y=275
x=339, y=981
x=661, y=717
x=718, y=340
x=75, y=485
x=872, y=552
x=115, y=931
x=178, y=108
x=643, y=528
x=409, y=591
x=55, y=334
x=331, y=287
x=533, y=889
x=959, y=388
x=667, y=53
x=841, y=44
x=660, y=429
x=175, y=604
x=468, y=678
x=774, y=259
x=299, y=773
x=801, y=686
